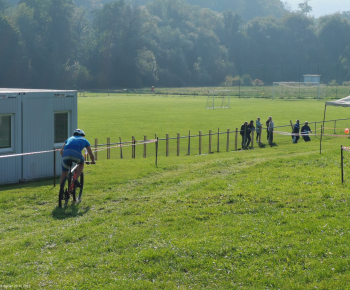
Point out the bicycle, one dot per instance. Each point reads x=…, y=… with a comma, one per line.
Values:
x=71, y=188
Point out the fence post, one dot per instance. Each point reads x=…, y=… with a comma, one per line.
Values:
x=133, y=147
x=144, y=146
x=178, y=144
x=259, y=140
x=335, y=126
x=200, y=142
x=210, y=141
x=315, y=129
x=189, y=143
x=121, y=150
x=321, y=139
x=108, y=148
x=54, y=167
x=342, y=164
x=228, y=141
x=156, y=151
x=96, y=145
x=167, y=145
x=236, y=137
x=157, y=145
x=218, y=146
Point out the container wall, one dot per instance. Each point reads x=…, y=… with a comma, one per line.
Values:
x=10, y=168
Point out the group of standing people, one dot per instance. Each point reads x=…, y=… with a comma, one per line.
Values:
x=247, y=129
x=305, y=130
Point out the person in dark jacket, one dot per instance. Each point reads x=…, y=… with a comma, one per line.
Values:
x=244, y=134
x=251, y=128
x=267, y=128
x=305, y=130
x=296, y=129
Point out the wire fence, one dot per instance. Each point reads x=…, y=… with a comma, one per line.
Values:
x=262, y=92
x=193, y=144
x=209, y=142
x=256, y=81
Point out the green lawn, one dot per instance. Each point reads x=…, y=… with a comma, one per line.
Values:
x=269, y=218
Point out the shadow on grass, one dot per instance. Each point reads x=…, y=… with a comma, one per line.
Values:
x=70, y=211
x=261, y=145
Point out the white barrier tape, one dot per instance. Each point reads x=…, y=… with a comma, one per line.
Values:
x=99, y=149
x=294, y=134
x=123, y=145
x=30, y=153
x=329, y=135
x=300, y=134
x=346, y=149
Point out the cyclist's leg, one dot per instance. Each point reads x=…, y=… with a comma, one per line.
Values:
x=79, y=160
x=76, y=158
x=66, y=164
x=63, y=176
x=79, y=170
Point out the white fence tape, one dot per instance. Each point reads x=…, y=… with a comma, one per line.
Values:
x=30, y=153
x=125, y=144
x=301, y=134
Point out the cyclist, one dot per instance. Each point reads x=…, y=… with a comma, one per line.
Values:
x=71, y=152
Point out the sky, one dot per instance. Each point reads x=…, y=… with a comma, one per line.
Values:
x=322, y=7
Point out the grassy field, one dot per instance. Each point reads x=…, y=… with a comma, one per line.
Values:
x=269, y=218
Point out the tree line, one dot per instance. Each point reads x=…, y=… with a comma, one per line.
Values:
x=170, y=43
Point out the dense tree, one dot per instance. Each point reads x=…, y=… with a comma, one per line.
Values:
x=46, y=30
x=300, y=39
x=266, y=41
x=121, y=33
x=304, y=7
x=334, y=36
x=232, y=38
x=109, y=44
x=13, y=63
x=3, y=5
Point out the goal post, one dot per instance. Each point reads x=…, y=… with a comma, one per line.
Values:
x=297, y=90
x=218, y=99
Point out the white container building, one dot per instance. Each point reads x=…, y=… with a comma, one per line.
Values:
x=312, y=78
x=34, y=121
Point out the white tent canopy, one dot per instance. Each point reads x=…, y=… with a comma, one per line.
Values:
x=344, y=102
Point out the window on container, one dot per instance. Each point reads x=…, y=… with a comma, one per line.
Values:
x=61, y=126
x=5, y=131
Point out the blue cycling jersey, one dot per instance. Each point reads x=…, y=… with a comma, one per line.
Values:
x=76, y=143
x=72, y=151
